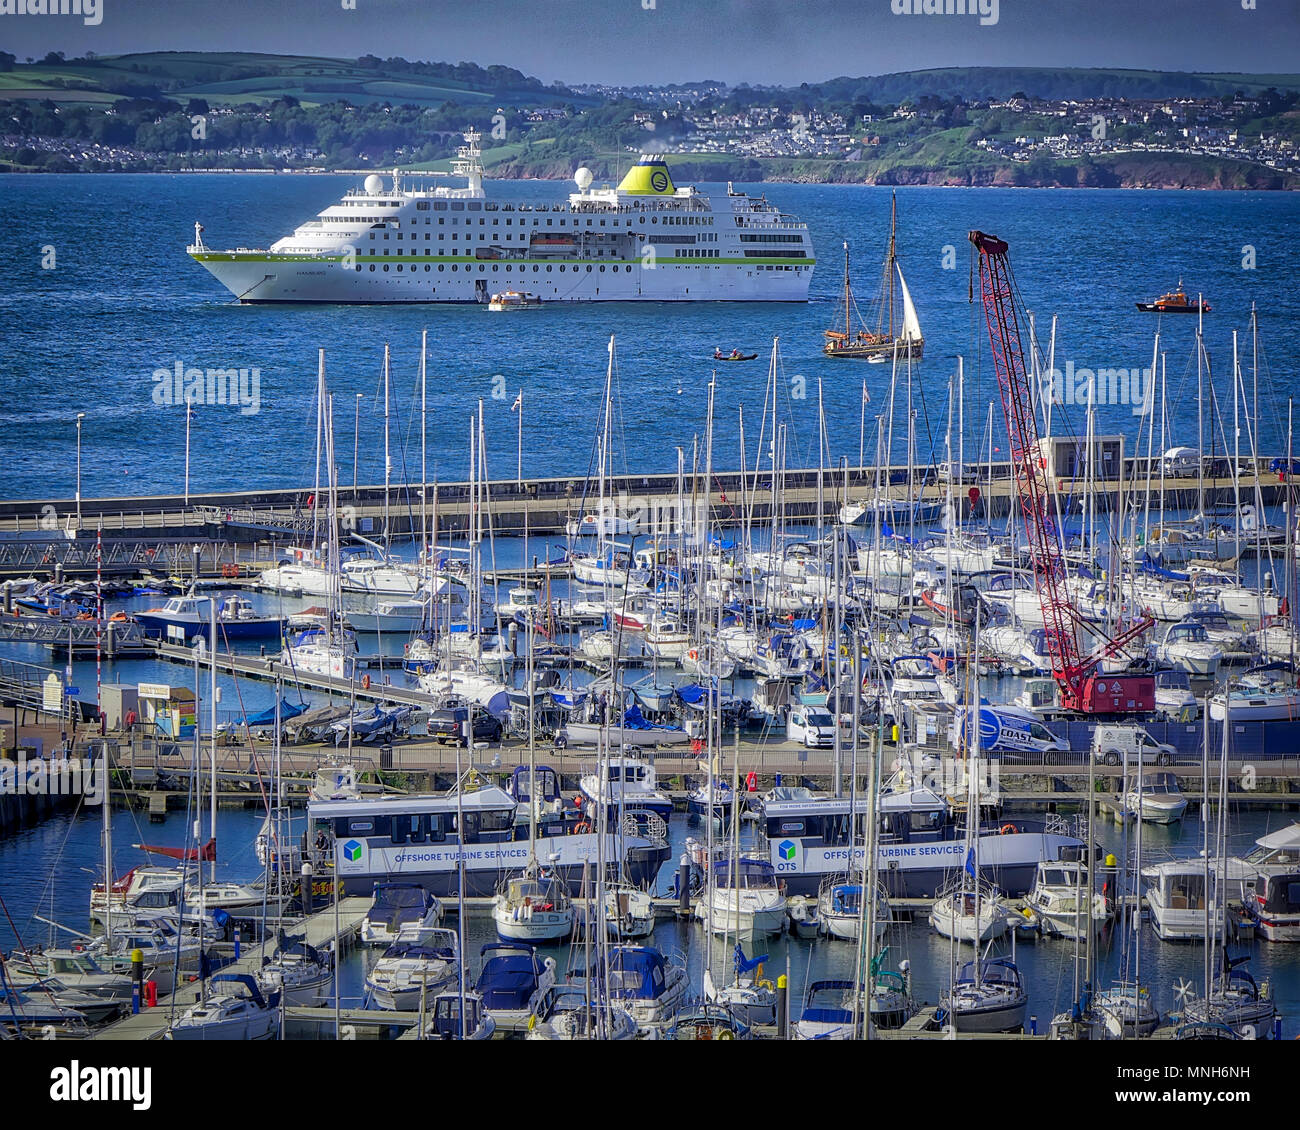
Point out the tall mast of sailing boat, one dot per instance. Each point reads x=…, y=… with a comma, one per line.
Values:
x=388, y=462
x=889, y=263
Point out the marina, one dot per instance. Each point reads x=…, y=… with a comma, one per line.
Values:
x=552, y=678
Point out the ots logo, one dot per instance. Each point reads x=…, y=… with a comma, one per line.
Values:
x=659, y=180
x=786, y=849
x=352, y=851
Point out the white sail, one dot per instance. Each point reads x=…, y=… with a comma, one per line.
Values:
x=911, y=325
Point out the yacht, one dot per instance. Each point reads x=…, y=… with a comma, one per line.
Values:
x=533, y=908
x=298, y=972
x=227, y=1014
x=646, y=240
x=986, y=996
x=1257, y=697
x=969, y=916
x=840, y=911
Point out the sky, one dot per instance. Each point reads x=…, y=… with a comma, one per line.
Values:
x=780, y=42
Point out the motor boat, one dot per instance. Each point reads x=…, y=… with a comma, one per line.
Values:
x=805, y=916
x=832, y=1010
x=1177, y=894
x=401, y=912
x=408, y=970
x=647, y=984
x=743, y=897
x=1157, y=799
x=1063, y=902
x=453, y=1017
x=515, y=985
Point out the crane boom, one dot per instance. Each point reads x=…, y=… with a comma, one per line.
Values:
x=1081, y=687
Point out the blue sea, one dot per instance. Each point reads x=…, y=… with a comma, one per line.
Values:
x=123, y=300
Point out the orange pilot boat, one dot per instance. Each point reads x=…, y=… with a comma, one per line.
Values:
x=1175, y=302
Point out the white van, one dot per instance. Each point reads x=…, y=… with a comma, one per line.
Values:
x=1014, y=734
x=1181, y=463
x=1115, y=744
x=811, y=726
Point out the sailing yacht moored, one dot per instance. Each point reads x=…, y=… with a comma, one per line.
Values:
x=894, y=338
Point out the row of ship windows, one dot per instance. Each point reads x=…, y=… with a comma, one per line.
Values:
x=509, y=222
x=495, y=267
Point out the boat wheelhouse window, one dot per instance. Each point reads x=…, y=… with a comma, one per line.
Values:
x=1187, y=892
x=407, y=828
x=457, y=206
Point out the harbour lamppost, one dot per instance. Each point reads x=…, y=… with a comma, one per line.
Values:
x=356, y=432
x=80, y=416
x=189, y=415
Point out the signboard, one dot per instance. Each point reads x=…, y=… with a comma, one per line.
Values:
x=52, y=694
x=154, y=690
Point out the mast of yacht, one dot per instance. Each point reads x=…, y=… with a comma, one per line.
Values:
x=848, y=297
x=426, y=568
x=1236, y=453
x=388, y=461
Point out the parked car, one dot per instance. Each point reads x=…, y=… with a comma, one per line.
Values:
x=1279, y=464
x=449, y=725
x=811, y=726
x=1115, y=744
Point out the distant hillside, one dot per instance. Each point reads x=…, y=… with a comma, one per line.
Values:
x=236, y=77
x=980, y=83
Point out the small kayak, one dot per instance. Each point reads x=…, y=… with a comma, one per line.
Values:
x=737, y=357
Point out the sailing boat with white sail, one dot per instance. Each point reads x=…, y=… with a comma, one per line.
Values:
x=897, y=333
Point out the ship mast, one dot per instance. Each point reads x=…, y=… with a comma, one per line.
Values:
x=848, y=301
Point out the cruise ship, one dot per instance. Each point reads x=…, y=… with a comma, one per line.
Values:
x=647, y=240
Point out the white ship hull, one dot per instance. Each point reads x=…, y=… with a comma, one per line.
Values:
x=644, y=241
x=262, y=277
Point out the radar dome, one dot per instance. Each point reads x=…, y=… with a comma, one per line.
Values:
x=374, y=184
x=583, y=178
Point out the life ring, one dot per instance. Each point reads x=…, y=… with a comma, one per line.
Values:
x=365, y=682
x=1008, y=829
x=726, y=1034
x=581, y=828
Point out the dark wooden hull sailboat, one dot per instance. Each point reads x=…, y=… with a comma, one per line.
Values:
x=898, y=331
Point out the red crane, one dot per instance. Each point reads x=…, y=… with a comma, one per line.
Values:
x=1082, y=686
